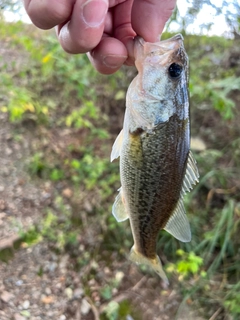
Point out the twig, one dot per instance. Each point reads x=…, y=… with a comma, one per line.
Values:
x=94, y=309
x=139, y=283
x=214, y=316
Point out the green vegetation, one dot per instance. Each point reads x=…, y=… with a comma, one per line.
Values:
x=72, y=113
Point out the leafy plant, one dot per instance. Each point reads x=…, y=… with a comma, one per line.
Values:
x=112, y=310
x=21, y=103
x=88, y=170
x=81, y=117
x=190, y=263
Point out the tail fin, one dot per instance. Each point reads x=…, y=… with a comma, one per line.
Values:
x=155, y=263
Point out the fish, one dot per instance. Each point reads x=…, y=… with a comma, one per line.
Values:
x=157, y=167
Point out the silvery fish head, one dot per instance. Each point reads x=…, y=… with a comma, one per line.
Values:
x=163, y=74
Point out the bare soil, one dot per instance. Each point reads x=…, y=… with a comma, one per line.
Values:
x=38, y=283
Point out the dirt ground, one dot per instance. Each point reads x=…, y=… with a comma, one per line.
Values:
x=37, y=283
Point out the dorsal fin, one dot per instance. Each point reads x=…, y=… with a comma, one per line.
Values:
x=118, y=209
x=116, y=148
x=191, y=175
x=178, y=224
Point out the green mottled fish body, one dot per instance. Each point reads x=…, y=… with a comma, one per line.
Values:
x=156, y=165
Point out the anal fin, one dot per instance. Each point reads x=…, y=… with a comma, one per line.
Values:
x=118, y=209
x=178, y=224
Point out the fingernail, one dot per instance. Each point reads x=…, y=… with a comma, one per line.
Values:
x=114, y=61
x=94, y=12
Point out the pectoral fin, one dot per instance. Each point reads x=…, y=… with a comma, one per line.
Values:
x=116, y=148
x=118, y=209
x=178, y=224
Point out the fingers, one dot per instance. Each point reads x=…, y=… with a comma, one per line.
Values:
x=109, y=55
x=149, y=17
x=47, y=14
x=85, y=29
x=122, y=27
x=114, y=50
x=80, y=22
x=90, y=26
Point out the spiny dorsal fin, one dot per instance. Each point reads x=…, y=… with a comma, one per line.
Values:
x=178, y=224
x=116, y=148
x=191, y=175
x=118, y=209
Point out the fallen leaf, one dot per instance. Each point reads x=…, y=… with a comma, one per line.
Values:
x=47, y=299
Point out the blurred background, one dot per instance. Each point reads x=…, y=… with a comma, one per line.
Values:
x=62, y=254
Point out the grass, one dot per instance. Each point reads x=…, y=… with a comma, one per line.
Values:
x=59, y=92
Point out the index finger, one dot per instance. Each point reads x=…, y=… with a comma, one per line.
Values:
x=47, y=14
x=149, y=17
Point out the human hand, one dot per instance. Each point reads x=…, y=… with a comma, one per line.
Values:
x=103, y=28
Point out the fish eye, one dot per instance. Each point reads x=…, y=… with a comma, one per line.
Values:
x=175, y=70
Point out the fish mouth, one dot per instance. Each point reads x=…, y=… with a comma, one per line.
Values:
x=143, y=49
x=177, y=37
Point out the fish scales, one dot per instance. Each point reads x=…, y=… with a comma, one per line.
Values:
x=153, y=186
x=156, y=164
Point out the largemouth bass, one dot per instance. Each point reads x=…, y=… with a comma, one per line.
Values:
x=156, y=164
